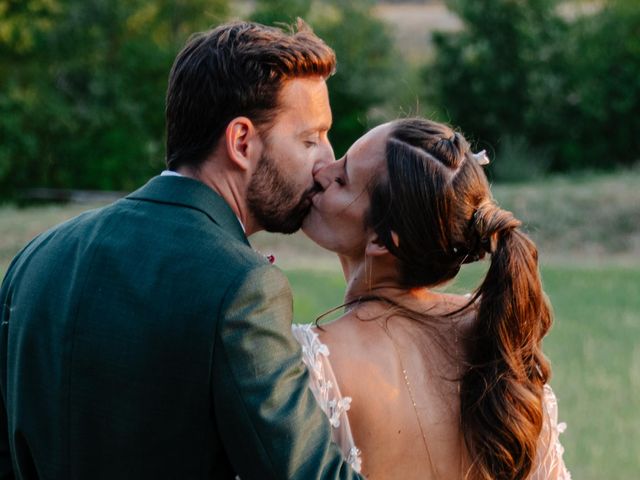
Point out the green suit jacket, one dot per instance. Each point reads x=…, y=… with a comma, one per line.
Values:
x=147, y=339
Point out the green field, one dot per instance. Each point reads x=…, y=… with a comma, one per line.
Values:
x=588, y=230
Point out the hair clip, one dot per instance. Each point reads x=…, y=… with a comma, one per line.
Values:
x=481, y=157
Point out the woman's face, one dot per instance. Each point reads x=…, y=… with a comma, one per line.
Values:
x=336, y=220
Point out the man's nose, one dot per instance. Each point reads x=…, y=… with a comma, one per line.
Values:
x=322, y=175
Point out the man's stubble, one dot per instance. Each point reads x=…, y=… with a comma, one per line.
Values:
x=274, y=201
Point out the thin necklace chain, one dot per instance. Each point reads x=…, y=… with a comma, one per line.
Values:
x=413, y=402
x=432, y=466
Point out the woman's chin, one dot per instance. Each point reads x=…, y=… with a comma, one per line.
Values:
x=310, y=231
x=315, y=232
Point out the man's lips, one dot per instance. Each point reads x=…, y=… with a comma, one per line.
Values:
x=315, y=198
x=317, y=188
x=313, y=192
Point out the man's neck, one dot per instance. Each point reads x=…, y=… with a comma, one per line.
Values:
x=230, y=187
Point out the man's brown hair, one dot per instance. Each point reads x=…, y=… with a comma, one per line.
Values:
x=236, y=69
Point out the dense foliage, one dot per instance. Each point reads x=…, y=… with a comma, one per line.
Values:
x=600, y=113
x=82, y=82
x=82, y=90
x=545, y=87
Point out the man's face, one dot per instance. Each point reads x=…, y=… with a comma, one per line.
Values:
x=297, y=145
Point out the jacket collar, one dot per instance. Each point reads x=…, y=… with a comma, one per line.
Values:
x=189, y=193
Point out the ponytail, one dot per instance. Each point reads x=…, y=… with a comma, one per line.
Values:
x=437, y=200
x=501, y=392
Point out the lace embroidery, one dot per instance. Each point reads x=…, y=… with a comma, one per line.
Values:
x=327, y=393
x=549, y=461
x=354, y=459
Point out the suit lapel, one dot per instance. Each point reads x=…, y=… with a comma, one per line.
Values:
x=189, y=193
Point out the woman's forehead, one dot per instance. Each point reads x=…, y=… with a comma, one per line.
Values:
x=371, y=147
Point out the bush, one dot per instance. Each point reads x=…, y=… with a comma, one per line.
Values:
x=599, y=117
x=82, y=100
x=520, y=70
x=271, y=12
x=518, y=161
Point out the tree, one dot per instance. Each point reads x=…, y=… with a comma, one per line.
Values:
x=543, y=89
x=84, y=83
x=487, y=76
x=599, y=119
x=272, y=12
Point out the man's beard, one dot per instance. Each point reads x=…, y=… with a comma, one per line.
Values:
x=273, y=201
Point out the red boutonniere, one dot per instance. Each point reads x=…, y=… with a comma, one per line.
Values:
x=271, y=258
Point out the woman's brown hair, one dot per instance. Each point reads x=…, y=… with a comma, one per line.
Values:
x=437, y=199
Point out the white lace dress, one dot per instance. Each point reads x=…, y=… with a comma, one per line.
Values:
x=549, y=463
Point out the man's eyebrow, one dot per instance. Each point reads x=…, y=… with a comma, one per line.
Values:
x=315, y=129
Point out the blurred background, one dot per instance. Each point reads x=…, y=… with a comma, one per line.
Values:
x=551, y=89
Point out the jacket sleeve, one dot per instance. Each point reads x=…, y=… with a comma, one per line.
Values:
x=270, y=424
x=6, y=466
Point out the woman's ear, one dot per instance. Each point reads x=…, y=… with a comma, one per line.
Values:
x=376, y=248
x=395, y=238
x=243, y=143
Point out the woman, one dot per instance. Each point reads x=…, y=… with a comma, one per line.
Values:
x=437, y=386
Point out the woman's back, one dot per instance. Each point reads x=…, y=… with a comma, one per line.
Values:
x=389, y=384
x=402, y=378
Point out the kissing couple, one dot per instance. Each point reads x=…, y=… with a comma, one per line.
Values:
x=148, y=340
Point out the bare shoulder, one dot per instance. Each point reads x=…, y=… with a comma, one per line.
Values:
x=356, y=346
x=349, y=334
x=345, y=339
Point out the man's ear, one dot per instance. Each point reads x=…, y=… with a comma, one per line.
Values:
x=243, y=143
x=376, y=248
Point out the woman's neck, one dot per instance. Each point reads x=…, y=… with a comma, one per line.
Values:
x=368, y=276
x=375, y=275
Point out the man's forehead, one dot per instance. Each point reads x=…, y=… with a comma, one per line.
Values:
x=304, y=93
x=310, y=85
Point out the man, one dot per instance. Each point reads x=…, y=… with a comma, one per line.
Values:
x=147, y=339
